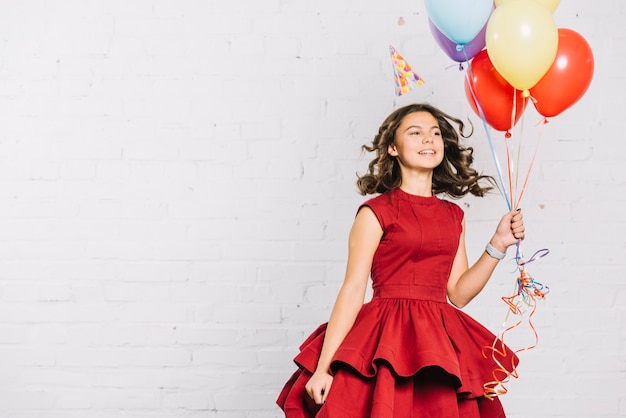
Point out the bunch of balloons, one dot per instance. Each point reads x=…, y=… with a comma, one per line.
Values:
x=514, y=52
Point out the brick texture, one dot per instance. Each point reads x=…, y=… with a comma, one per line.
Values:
x=177, y=185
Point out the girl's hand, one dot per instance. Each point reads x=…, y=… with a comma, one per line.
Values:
x=509, y=230
x=318, y=386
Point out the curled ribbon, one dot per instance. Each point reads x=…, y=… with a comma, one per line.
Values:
x=524, y=300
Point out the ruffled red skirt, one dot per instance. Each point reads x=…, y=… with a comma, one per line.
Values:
x=402, y=358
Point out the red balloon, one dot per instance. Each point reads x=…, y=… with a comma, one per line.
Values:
x=567, y=80
x=494, y=94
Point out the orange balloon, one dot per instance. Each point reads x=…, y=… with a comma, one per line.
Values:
x=569, y=77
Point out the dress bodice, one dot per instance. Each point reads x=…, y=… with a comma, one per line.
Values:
x=419, y=243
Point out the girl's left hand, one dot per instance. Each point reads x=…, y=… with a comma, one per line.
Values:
x=509, y=231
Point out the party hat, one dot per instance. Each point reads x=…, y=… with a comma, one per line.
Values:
x=406, y=79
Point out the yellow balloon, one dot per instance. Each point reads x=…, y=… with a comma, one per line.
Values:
x=522, y=41
x=548, y=4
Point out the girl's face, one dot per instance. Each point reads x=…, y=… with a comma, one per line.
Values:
x=418, y=144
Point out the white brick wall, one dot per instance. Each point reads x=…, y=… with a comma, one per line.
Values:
x=177, y=184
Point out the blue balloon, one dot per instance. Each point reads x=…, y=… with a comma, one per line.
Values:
x=459, y=20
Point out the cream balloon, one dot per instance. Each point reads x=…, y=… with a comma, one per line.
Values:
x=549, y=4
x=522, y=40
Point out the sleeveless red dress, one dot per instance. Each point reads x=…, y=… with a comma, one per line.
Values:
x=409, y=353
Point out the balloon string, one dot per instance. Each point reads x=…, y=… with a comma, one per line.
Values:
x=459, y=48
x=514, y=183
x=524, y=300
x=470, y=77
x=519, y=159
x=513, y=173
x=514, y=108
x=528, y=291
x=510, y=170
x=532, y=161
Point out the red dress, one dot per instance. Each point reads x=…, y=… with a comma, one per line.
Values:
x=409, y=353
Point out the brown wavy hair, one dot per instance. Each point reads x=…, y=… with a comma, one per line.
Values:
x=454, y=176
